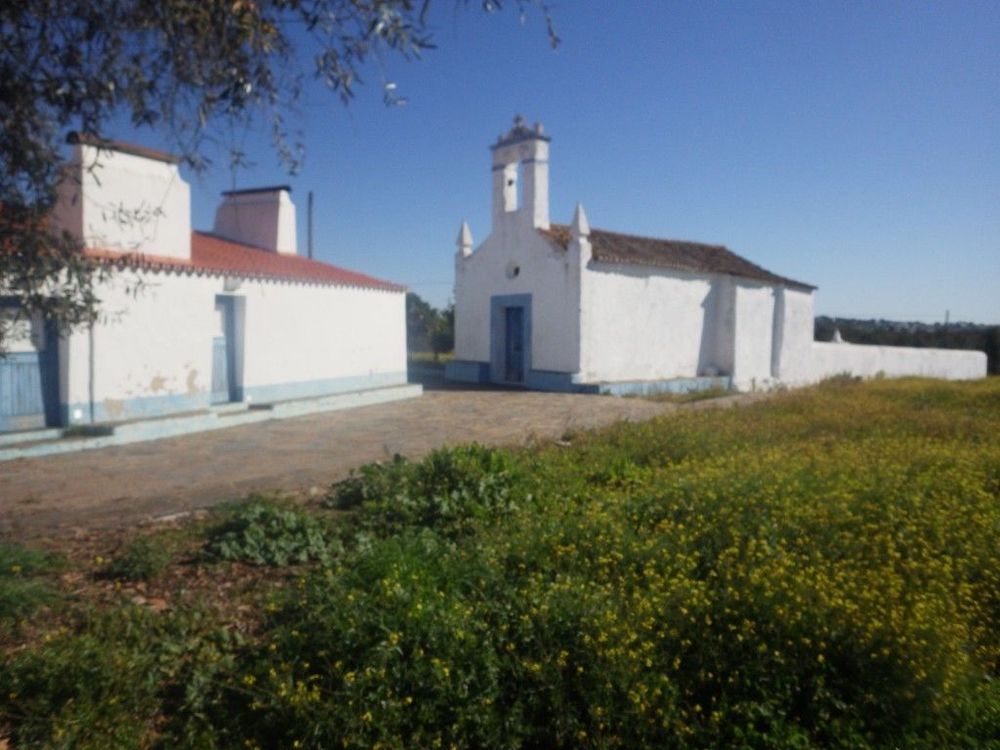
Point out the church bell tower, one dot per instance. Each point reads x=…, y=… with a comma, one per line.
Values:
x=521, y=175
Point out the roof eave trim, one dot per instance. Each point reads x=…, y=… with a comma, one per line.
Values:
x=778, y=280
x=137, y=262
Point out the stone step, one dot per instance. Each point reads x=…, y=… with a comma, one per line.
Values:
x=89, y=437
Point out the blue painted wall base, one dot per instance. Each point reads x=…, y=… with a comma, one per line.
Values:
x=465, y=371
x=674, y=385
x=147, y=407
x=314, y=388
x=125, y=409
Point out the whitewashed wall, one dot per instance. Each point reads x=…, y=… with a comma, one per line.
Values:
x=152, y=342
x=895, y=361
x=546, y=272
x=297, y=333
x=645, y=324
x=119, y=201
x=754, y=331
x=153, y=350
x=793, y=342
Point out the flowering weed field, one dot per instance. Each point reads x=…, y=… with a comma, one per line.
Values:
x=821, y=570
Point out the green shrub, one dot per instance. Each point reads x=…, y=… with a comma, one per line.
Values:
x=23, y=586
x=450, y=491
x=264, y=533
x=141, y=560
x=127, y=678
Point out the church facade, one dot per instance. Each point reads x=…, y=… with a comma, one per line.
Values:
x=571, y=308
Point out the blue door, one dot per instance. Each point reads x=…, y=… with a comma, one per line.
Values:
x=514, y=345
x=29, y=379
x=510, y=338
x=224, y=387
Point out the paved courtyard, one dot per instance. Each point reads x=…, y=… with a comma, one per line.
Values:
x=128, y=484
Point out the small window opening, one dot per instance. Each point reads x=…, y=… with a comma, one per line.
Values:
x=511, y=187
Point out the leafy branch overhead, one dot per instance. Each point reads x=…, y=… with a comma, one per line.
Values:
x=190, y=69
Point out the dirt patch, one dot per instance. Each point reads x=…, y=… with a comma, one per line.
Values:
x=73, y=494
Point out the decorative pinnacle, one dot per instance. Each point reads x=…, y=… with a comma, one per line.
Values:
x=464, y=241
x=580, y=226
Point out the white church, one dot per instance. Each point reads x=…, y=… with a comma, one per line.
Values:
x=570, y=308
x=210, y=322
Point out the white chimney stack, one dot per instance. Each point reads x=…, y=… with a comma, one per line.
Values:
x=126, y=198
x=260, y=217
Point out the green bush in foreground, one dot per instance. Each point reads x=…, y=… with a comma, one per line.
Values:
x=141, y=560
x=23, y=588
x=824, y=575
x=263, y=533
x=452, y=491
x=128, y=679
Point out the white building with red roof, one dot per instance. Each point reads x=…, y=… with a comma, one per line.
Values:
x=194, y=322
x=571, y=308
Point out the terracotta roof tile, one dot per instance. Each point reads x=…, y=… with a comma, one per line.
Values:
x=697, y=257
x=216, y=255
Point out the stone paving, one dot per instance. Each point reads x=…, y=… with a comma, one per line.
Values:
x=131, y=484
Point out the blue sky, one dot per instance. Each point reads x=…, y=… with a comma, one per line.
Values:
x=855, y=146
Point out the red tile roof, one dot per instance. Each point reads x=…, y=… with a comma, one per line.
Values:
x=215, y=255
x=615, y=247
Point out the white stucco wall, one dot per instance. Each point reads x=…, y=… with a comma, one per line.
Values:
x=298, y=340
x=754, y=331
x=546, y=272
x=794, y=339
x=895, y=361
x=298, y=333
x=155, y=343
x=119, y=201
x=646, y=324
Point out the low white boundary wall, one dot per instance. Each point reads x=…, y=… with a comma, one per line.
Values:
x=895, y=361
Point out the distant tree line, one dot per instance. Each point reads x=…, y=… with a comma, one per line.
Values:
x=427, y=328
x=985, y=338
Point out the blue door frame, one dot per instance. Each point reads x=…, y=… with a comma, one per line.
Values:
x=510, y=338
x=29, y=385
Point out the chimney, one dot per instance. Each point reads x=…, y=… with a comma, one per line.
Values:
x=261, y=217
x=123, y=197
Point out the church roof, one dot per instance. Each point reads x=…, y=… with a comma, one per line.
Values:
x=680, y=255
x=215, y=255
